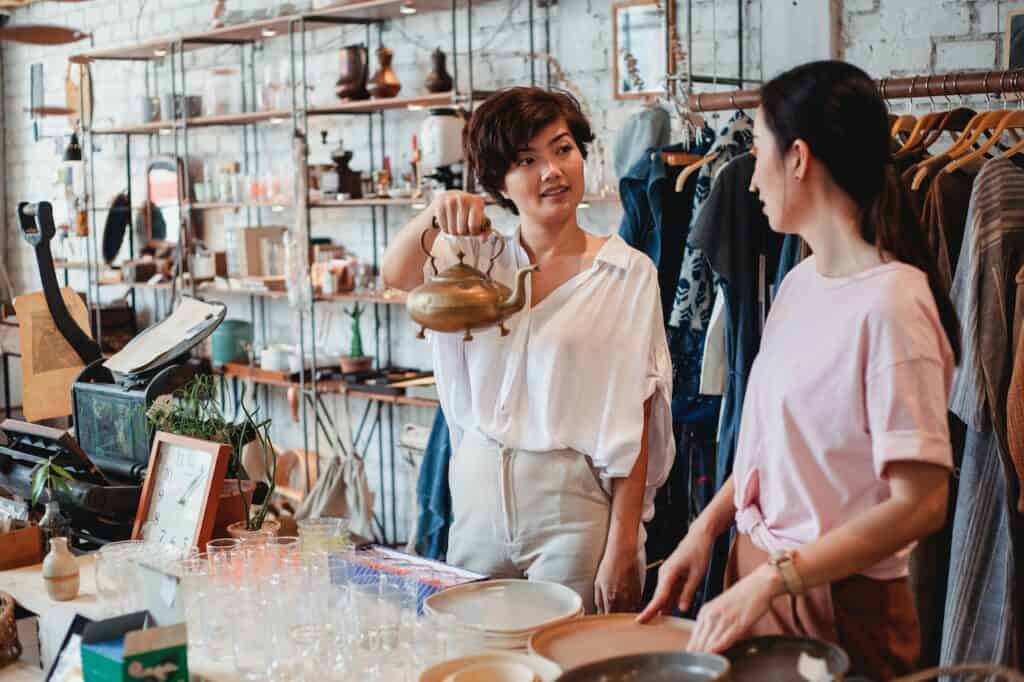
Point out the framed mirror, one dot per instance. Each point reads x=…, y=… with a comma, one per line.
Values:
x=640, y=49
x=165, y=194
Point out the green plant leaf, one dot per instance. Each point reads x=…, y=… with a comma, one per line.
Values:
x=39, y=482
x=61, y=472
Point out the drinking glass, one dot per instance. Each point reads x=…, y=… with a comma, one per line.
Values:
x=194, y=576
x=250, y=637
x=117, y=581
x=314, y=645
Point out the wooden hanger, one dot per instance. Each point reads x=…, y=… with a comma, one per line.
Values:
x=676, y=159
x=924, y=125
x=693, y=168
x=980, y=123
x=903, y=124
x=1009, y=120
x=930, y=130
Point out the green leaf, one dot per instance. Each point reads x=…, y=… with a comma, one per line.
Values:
x=61, y=472
x=63, y=487
x=38, y=483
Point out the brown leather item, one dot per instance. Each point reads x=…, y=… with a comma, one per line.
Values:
x=1015, y=409
x=874, y=621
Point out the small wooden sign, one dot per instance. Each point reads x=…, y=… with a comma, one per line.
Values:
x=182, y=491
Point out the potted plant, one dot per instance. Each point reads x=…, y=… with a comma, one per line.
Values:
x=50, y=478
x=192, y=411
x=356, y=361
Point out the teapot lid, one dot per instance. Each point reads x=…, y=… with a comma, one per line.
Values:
x=460, y=272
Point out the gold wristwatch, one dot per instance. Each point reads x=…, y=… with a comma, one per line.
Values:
x=785, y=563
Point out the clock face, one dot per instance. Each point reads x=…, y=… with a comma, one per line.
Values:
x=179, y=495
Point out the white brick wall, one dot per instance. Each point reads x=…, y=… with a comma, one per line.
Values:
x=886, y=37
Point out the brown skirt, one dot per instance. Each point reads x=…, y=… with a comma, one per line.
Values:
x=874, y=621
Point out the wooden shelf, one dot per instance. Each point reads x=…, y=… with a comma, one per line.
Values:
x=390, y=297
x=414, y=102
x=352, y=203
x=282, y=116
x=336, y=386
x=367, y=12
x=223, y=120
x=236, y=205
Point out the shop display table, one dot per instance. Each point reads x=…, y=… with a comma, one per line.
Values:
x=26, y=586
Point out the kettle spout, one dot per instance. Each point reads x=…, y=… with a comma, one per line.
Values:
x=517, y=298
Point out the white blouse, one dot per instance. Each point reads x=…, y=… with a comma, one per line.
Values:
x=574, y=371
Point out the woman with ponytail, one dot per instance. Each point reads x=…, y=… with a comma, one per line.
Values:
x=844, y=457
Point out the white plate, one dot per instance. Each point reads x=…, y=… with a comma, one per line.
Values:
x=508, y=607
x=545, y=670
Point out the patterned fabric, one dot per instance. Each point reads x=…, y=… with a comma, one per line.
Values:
x=984, y=603
x=695, y=297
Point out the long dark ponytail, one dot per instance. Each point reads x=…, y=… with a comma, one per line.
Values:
x=837, y=110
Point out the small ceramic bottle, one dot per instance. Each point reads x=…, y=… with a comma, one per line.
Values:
x=60, y=571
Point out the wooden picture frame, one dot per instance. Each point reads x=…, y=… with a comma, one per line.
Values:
x=206, y=493
x=653, y=74
x=1013, y=55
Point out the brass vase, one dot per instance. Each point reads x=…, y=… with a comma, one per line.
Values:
x=384, y=83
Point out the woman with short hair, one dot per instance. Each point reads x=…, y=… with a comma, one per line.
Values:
x=561, y=430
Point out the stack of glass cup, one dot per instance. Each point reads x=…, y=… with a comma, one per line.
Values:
x=305, y=608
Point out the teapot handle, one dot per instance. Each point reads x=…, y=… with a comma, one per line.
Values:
x=434, y=225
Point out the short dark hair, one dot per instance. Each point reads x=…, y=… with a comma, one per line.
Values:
x=506, y=122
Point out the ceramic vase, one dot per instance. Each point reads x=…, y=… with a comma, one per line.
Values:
x=384, y=83
x=351, y=84
x=438, y=80
x=60, y=571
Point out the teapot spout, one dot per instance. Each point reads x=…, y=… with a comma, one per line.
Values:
x=514, y=303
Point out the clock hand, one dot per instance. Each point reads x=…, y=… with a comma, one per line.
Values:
x=189, y=488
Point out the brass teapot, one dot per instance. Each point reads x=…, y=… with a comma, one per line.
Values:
x=464, y=299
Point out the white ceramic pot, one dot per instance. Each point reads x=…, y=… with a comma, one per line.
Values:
x=60, y=571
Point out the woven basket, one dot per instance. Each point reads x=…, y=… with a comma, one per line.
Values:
x=966, y=673
x=10, y=647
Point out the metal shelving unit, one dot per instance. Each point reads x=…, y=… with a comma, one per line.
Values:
x=372, y=14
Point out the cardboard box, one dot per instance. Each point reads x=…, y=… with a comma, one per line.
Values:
x=254, y=242
x=130, y=648
x=21, y=547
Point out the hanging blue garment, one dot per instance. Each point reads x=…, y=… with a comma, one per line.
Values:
x=433, y=494
x=694, y=293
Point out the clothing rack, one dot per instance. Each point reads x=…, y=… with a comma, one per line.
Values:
x=948, y=85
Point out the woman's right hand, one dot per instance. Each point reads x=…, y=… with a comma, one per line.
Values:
x=680, y=575
x=459, y=213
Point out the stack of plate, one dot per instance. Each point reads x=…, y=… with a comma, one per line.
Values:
x=498, y=667
x=501, y=615
x=579, y=642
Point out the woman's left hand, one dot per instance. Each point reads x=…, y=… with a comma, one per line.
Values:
x=617, y=585
x=729, y=617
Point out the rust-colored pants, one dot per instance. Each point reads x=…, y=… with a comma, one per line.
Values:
x=874, y=621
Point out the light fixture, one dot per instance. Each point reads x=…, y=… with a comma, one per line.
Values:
x=419, y=206
x=415, y=107
x=408, y=7
x=583, y=204
x=165, y=131
x=276, y=121
x=159, y=52
x=268, y=32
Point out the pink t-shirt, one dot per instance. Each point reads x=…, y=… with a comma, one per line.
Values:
x=853, y=373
